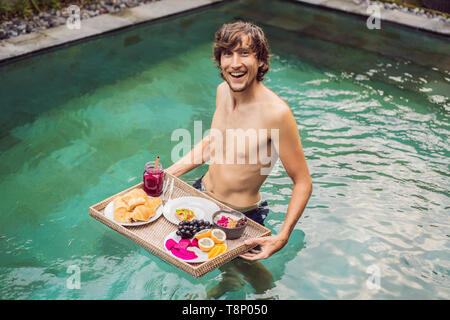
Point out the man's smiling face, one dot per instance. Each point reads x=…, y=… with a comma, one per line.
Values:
x=240, y=66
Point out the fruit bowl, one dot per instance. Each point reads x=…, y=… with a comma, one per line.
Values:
x=233, y=232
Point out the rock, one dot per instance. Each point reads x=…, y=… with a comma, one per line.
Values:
x=109, y=8
x=3, y=34
x=53, y=22
x=46, y=16
x=21, y=27
x=61, y=20
x=29, y=28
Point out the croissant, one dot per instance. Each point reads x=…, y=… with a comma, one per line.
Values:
x=135, y=193
x=135, y=198
x=142, y=213
x=135, y=206
x=121, y=213
x=153, y=202
x=139, y=193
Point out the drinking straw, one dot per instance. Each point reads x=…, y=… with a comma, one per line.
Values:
x=156, y=164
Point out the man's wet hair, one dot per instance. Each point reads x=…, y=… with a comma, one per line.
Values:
x=230, y=36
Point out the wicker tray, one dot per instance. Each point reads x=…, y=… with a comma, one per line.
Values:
x=151, y=236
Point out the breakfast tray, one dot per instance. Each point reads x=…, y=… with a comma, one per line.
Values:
x=151, y=236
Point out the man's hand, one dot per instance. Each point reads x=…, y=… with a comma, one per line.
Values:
x=269, y=245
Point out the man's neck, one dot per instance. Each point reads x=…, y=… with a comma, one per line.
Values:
x=247, y=96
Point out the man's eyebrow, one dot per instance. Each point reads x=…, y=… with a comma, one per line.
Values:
x=240, y=49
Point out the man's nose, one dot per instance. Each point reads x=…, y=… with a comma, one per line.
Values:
x=236, y=62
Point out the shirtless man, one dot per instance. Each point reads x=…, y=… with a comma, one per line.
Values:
x=244, y=102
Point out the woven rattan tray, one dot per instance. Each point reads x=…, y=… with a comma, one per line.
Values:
x=151, y=236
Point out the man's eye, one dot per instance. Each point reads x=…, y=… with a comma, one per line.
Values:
x=227, y=53
x=245, y=53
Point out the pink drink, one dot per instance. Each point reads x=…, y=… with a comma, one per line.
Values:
x=153, y=179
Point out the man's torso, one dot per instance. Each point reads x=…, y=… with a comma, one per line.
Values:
x=241, y=145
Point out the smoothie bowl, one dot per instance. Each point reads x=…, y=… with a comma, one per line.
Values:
x=232, y=222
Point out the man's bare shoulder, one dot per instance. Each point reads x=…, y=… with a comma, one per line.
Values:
x=276, y=106
x=221, y=94
x=221, y=88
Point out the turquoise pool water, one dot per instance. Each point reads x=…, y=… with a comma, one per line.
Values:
x=79, y=123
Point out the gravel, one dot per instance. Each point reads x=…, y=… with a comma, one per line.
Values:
x=54, y=17
x=416, y=11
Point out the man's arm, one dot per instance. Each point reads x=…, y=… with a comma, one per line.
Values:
x=291, y=155
x=194, y=158
x=201, y=153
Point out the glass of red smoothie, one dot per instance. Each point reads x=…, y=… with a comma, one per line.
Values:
x=153, y=179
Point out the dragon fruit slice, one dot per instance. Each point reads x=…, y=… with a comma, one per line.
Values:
x=184, y=243
x=184, y=254
x=170, y=244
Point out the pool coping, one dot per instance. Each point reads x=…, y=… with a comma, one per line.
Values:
x=25, y=45
x=411, y=20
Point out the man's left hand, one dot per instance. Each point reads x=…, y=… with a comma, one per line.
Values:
x=269, y=245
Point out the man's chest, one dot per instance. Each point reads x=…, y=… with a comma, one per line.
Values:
x=241, y=137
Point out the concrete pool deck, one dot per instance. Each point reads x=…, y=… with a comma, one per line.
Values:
x=28, y=43
x=409, y=19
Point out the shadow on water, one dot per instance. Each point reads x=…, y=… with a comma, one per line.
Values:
x=260, y=275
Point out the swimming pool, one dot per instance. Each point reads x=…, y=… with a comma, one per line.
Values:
x=79, y=123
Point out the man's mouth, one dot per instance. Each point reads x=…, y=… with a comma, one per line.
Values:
x=238, y=75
